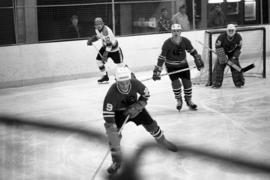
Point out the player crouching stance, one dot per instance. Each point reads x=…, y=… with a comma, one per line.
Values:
x=228, y=48
x=110, y=48
x=174, y=55
x=122, y=100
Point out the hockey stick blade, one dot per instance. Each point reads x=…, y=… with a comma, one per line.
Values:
x=247, y=68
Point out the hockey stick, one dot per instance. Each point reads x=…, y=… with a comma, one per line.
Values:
x=165, y=74
x=230, y=63
x=108, y=152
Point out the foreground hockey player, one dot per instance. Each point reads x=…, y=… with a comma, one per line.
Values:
x=228, y=48
x=122, y=100
x=110, y=48
x=174, y=56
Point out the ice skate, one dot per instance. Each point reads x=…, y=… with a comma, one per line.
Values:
x=104, y=79
x=179, y=104
x=114, y=167
x=167, y=144
x=190, y=104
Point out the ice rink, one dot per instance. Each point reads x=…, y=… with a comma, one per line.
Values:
x=235, y=122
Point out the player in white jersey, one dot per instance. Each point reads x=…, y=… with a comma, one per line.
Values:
x=110, y=48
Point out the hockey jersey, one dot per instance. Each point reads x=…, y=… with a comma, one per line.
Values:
x=231, y=46
x=116, y=100
x=108, y=39
x=175, y=55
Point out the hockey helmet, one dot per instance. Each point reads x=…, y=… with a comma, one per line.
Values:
x=122, y=74
x=99, y=21
x=176, y=27
x=231, y=30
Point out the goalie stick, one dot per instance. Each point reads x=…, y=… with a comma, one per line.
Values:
x=230, y=63
x=108, y=152
x=165, y=74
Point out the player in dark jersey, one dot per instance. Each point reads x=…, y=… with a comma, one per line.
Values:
x=174, y=56
x=122, y=100
x=231, y=42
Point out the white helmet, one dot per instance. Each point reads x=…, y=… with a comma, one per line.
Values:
x=122, y=74
x=231, y=30
x=176, y=27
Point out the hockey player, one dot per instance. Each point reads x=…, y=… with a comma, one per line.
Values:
x=228, y=47
x=173, y=54
x=122, y=100
x=110, y=48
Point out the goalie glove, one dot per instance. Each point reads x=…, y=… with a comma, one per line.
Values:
x=198, y=61
x=156, y=73
x=134, y=109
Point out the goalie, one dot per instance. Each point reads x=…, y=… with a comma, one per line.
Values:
x=174, y=56
x=122, y=101
x=228, y=48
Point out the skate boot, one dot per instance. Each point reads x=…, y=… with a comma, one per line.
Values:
x=114, y=167
x=179, y=104
x=190, y=104
x=167, y=144
x=104, y=79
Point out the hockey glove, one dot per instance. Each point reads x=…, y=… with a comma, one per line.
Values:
x=91, y=40
x=198, y=61
x=156, y=73
x=134, y=109
x=105, y=56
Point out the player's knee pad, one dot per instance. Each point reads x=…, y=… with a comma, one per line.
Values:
x=218, y=75
x=238, y=79
x=113, y=135
x=153, y=129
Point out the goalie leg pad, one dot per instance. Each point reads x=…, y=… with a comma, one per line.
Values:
x=222, y=58
x=238, y=78
x=218, y=74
